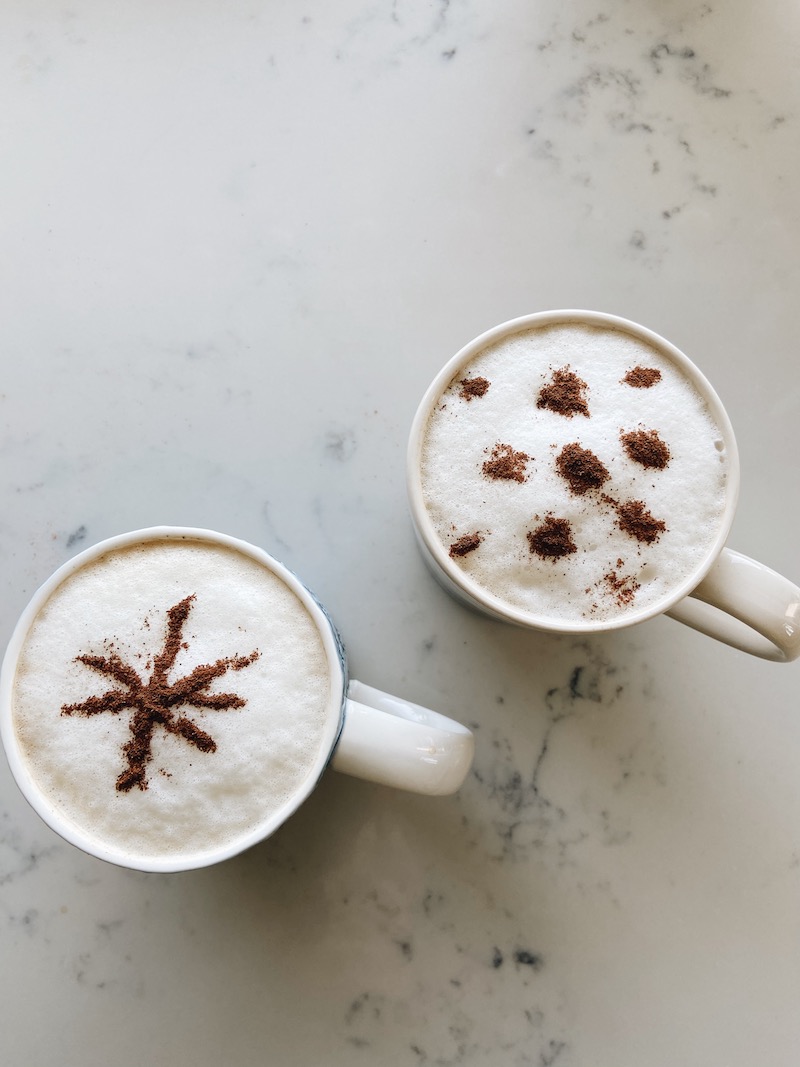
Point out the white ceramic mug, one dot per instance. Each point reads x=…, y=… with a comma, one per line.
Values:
x=367, y=733
x=727, y=596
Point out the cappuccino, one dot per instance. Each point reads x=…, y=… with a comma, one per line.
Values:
x=171, y=697
x=575, y=473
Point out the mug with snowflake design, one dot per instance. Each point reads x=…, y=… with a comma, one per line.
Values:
x=574, y=472
x=171, y=696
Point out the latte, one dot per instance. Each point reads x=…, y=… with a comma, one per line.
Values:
x=574, y=472
x=171, y=697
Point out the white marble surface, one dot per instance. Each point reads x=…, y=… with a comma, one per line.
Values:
x=238, y=240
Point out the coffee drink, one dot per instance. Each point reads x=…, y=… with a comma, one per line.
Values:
x=170, y=697
x=574, y=472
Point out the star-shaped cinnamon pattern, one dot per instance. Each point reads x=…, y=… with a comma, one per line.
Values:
x=156, y=702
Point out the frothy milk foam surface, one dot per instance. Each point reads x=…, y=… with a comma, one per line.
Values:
x=548, y=531
x=192, y=799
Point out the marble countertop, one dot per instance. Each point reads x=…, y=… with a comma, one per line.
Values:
x=239, y=239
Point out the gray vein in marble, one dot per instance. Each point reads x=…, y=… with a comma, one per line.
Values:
x=435, y=965
x=525, y=816
x=662, y=111
x=689, y=69
x=451, y=1035
x=77, y=536
x=340, y=444
x=393, y=37
x=20, y=857
x=272, y=537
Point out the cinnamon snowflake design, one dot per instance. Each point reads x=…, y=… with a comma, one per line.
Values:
x=156, y=701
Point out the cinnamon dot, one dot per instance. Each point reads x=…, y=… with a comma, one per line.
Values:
x=564, y=394
x=623, y=588
x=581, y=469
x=552, y=539
x=642, y=377
x=506, y=464
x=464, y=545
x=646, y=448
x=472, y=387
x=634, y=519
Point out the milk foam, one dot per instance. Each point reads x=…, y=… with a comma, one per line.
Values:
x=195, y=802
x=611, y=573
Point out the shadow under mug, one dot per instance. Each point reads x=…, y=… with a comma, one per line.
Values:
x=727, y=596
x=367, y=733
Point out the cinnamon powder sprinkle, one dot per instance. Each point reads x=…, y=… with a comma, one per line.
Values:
x=464, y=545
x=506, y=464
x=157, y=702
x=552, y=539
x=564, y=394
x=634, y=519
x=646, y=447
x=623, y=588
x=642, y=377
x=581, y=469
x=472, y=387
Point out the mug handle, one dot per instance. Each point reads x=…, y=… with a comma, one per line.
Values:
x=393, y=742
x=746, y=605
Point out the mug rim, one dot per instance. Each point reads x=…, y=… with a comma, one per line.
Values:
x=462, y=584
x=72, y=833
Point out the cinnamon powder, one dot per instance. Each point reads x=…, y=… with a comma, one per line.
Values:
x=623, y=588
x=157, y=701
x=581, y=469
x=564, y=394
x=552, y=539
x=464, y=545
x=633, y=518
x=472, y=387
x=506, y=464
x=646, y=447
x=642, y=377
